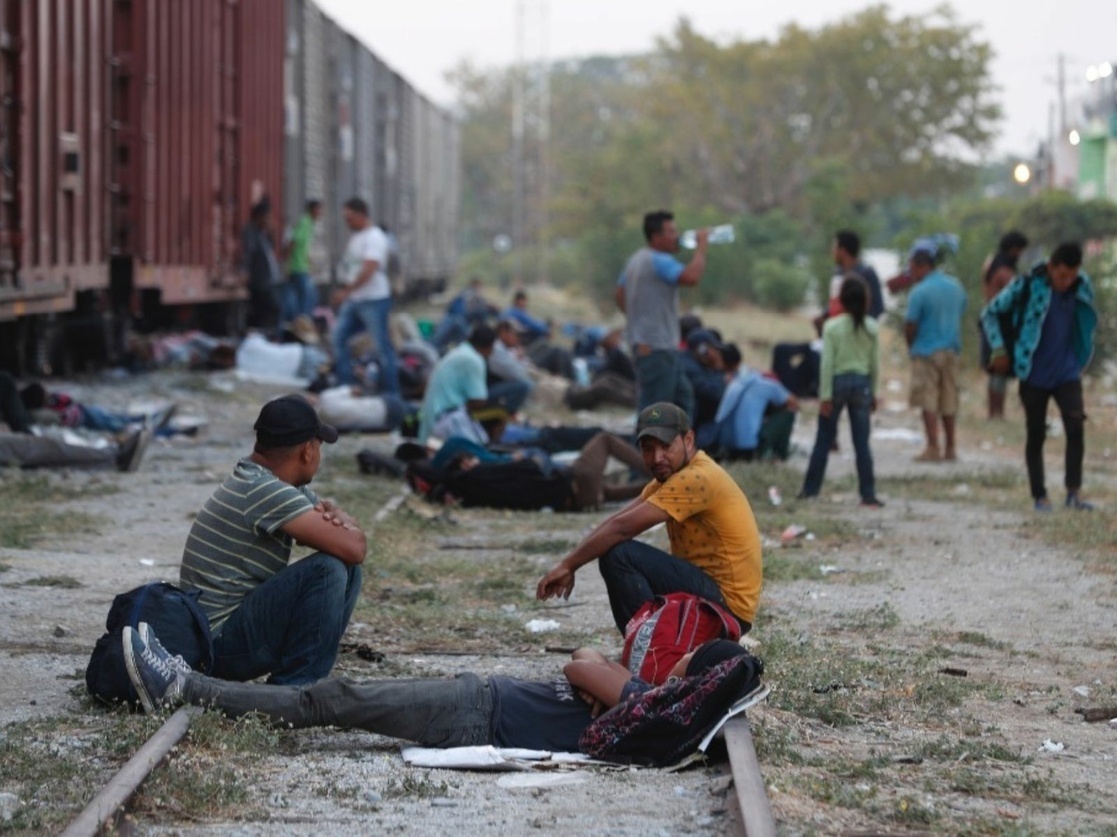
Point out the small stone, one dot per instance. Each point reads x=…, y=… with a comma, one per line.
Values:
x=60, y=631
x=9, y=804
x=373, y=798
x=443, y=802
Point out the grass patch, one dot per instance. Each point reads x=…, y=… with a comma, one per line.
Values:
x=415, y=784
x=29, y=513
x=981, y=640
x=55, y=765
x=1000, y=488
x=883, y=617
x=546, y=546
x=784, y=565
x=1091, y=533
x=65, y=582
x=840, y=686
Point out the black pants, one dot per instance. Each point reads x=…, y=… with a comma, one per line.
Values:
x=12, y=411
x=1068, y=397
x=636, y=573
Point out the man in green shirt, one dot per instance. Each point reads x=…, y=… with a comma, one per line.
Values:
x=299, y=292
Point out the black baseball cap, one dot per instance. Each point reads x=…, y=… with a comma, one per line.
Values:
x=704, y=337
x=290, y=420
x=663, y=421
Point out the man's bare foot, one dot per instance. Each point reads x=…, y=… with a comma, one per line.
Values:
x=929, y=455
x=951, y=455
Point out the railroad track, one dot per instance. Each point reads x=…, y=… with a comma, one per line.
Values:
x=749, y=804
x=749, y=809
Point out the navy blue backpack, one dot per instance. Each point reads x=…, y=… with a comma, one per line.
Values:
x=175, y=618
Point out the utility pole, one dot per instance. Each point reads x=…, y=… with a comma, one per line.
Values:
x=531, y=135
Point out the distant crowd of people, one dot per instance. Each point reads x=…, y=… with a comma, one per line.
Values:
x=458, y=397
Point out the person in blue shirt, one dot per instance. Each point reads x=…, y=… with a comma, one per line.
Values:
x=933, y=330
x=1056, y=320
x=533, y=327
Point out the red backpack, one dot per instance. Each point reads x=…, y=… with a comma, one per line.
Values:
x=667, y=628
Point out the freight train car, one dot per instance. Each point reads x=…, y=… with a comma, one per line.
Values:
x=356, y=128
x=136, y=136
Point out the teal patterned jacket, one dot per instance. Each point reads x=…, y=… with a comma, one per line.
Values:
x=1031, y=321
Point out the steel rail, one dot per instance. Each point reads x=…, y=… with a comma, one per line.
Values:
x=107, y=805
x=750, y=796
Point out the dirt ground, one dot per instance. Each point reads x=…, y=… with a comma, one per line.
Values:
x=864, y=732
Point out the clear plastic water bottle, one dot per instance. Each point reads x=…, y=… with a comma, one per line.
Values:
x=721, y=234
x=581, y=372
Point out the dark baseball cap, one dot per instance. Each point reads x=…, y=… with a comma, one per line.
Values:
x=290, y=420
x=704, y=337
x=663, y=421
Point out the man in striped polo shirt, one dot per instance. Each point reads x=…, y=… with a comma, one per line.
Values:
x=269, y=616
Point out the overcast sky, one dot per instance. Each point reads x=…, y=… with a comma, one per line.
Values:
x=422, y=39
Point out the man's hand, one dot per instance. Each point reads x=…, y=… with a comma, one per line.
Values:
x=999, y=365
x=333, y=513
x=338, y=296
x=826, y=408
x=558, y=582
x=595, y=705
x=702, y=238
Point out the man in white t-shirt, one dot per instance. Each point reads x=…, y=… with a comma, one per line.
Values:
x=365, y=300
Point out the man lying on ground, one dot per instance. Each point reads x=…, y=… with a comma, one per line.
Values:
x=460, y=711
x=463, y=472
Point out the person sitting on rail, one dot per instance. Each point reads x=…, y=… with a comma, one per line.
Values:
x=270, y=616
x=461, y=711
x=715, y=544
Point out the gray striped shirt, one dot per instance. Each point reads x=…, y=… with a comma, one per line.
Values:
x=236, y=542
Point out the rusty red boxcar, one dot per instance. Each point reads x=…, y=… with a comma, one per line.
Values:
x=136, y=135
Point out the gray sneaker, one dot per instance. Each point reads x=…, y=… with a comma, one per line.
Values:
x=157, y=676
x=175, y=661
x=131, y=451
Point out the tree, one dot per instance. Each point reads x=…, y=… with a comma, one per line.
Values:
x=821, y=126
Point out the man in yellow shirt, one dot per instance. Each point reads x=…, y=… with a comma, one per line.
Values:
x=715, y=545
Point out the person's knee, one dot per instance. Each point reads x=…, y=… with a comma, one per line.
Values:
x=332, y=573
x=616, y=557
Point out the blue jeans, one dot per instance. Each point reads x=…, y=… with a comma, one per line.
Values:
x=299, y=295
x=290, y=626
x=95, y=418
x=451, y=329
x=371, y=316
x=636, y=573
x=509, y=395
x=432, y=712
x=853, y=392
x=660, y=376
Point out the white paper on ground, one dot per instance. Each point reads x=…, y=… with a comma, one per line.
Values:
x=897, y=434
x=542, y=780
x=488, y=757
